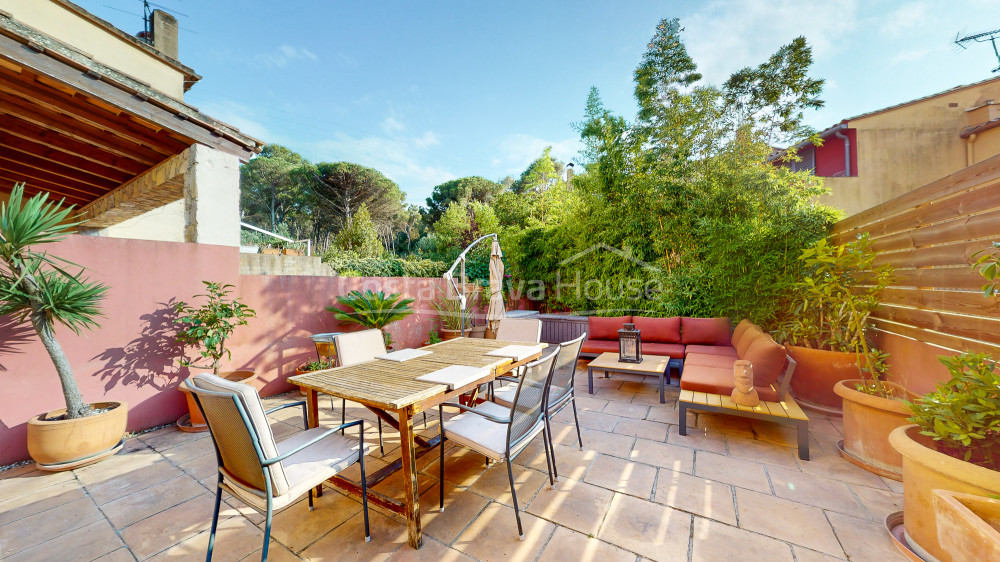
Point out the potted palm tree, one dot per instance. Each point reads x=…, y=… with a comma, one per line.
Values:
x=372, y=310
x=208, y=328
x=40, y=288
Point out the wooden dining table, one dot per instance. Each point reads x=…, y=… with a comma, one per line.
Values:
x=390, y=390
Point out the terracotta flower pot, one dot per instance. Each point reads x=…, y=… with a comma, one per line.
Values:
x=194, y=421
x=478, y=331
x=868, y=421
x=65, y=444
x=816, y=373
x=450, y=334
x=925, y=470
x=968, y=525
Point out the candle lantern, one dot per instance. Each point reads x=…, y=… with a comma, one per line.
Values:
x=629, y=345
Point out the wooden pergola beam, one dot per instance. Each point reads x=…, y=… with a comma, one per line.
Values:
x=17, y=168
x=70, y=160
x=39, y=135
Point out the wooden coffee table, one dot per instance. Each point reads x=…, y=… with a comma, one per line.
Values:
x=656, y=365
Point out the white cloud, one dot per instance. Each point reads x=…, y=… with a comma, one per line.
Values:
x=517, y=151
x=284, y=54
x=904, y=18
x=909, y=55
x=727, y=35
x=390, y=126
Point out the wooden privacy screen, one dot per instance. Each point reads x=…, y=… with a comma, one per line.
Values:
x=929, y=235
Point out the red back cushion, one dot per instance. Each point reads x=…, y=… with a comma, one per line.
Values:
x=740, y=329
x=767, y=358
x=749, y=336
x=605, y=328
x=659, y=330
x=705, y=331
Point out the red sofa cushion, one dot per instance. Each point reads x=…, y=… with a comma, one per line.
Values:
x=674, y=350
x=606, y=328
x=708, y=360
x=741, y=329
x=659, y=330
x=749, y=336
x=768, y=360
x=705, y=331
x=725, y=350
x=599, y=346
x=716, y=380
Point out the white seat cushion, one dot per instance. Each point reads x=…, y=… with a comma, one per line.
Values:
x=527, y=330
x=485, y=436
x=359, y=347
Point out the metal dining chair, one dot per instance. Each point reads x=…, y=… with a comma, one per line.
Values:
x=264, y=474
x=501, y=433
x=360, y=347
x=562, y=390
x=527, y=330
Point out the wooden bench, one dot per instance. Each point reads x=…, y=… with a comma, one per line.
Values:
x=786, y=411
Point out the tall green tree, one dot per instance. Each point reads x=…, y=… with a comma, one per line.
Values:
x=270, y=194
x=360, y=237
x=471, y=188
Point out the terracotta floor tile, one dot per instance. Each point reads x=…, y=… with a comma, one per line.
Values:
x=649, y=386
x=40, y=500
x=126, y=510
x=36, y=529
x=193, y=450
x=275, y=553
x=786, y=520
x=598, y=420
x=347, y=542
x=763, y=452
x=296, y=527
x=532, y=450
x=665, y=413
x=738, y=472
x=878, y=503
x=832, y=466
x=235, y=539
x=627, y=410
x=462, y=467
x=663, y=455
x=812, y=490
x=201, y=467
x=86, y=543
x=430, y=551
x=586, y=403
x=823, y=425
x=652, y=530
x=698, y=439
x=570, y=461
x=570, y=545
x=167, y=528
x=134, y=480
x=612, y=393
x=893, y=485
x=495, y=484
x=574, y=504
x=493, y=535
x=721, y=423
x=803, y=554
x=777, y=433
x=603, y=442
x=121, y=555
x=461, y=507
x=706, y=498
x=654, y=431
x=26, y=480
x=115, y=466
x=622, y=476
x=167, y=437
x=712, y=541
x=864, y=540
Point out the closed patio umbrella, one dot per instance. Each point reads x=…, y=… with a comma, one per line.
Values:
x=496, y=311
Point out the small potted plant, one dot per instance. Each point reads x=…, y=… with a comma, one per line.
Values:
x=208, y=328
x=450, y=316
x=38, y=287
x=372, y=310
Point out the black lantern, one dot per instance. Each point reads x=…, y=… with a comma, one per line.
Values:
x=629, y=345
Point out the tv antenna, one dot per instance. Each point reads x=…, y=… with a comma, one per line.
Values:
x=990, y=36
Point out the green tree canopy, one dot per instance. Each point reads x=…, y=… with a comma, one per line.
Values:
x=471, y=188
x=360, y=237
x=270, y=195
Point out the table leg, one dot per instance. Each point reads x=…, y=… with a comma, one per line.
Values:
x=663, y=400
x=590, y=380
x=312, y=418
x=409, y=458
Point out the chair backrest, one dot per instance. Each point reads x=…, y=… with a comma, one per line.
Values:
x=528, y=330
x=564, y=368
x=358, y=347
x=531, y=398
x=240, y=430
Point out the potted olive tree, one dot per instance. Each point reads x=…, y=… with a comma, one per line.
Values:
x=208, y=328
x=372, y=310
x=955, y=444
x=40, y=288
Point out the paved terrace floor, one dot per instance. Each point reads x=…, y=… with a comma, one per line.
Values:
x=732, y=489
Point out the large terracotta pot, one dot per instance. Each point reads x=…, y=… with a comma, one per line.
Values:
x=451, y=334
x=194, y=421
x=65, y=444
x=868, y=421
x=816, y=373
x=925, y=470
x=968, y=525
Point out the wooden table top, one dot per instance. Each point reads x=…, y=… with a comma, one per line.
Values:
x=654, y=364
x=392, y=385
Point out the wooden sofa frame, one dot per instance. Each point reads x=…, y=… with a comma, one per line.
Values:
x=786, y=411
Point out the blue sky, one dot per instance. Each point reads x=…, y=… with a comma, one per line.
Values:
x=431, y=91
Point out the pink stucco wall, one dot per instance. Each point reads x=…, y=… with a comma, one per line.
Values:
x=132, y=357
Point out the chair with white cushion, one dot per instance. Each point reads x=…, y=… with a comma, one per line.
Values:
x=561, y=390
x=527, y=330
x=501, y=433
x=268, y=475
x=360, y=347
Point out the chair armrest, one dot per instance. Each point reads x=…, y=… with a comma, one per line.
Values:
x=314, y=440
x=305, y=411
x=508, y=378
x=463, y=407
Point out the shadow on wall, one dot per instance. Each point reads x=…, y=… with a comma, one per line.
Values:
x=13, y=334
x=148, y=360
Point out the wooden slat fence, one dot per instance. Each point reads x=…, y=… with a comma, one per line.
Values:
x=929, y=235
